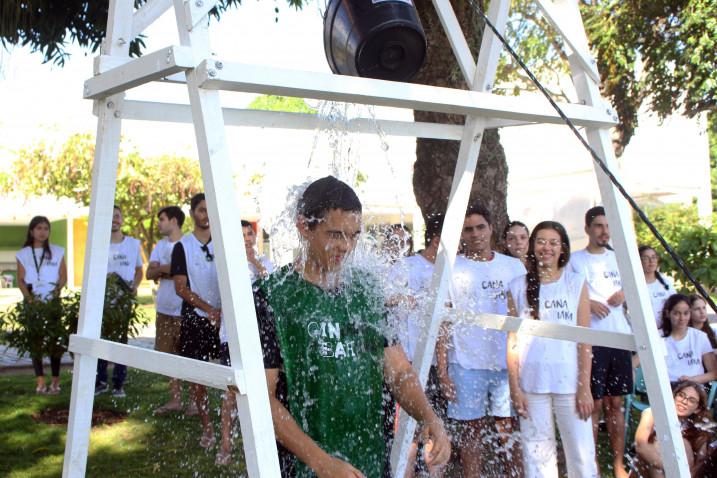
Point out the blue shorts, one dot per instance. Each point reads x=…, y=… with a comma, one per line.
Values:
x=479, y=393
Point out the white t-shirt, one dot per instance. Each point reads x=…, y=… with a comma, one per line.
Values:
x=201, y=273
x=684, y=357
x=42, y=272
x=481, y=286
x=410, y=276
x=168, y=302
x=603, y=278
x=124, y=258
x=658, y=296
x=549, y=365
x=253, y=275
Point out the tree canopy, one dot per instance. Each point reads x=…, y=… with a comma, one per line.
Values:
x=143, y=185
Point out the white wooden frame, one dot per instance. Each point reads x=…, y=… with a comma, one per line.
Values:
x=191, y=63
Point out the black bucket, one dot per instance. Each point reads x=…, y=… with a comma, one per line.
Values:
x=380, y=39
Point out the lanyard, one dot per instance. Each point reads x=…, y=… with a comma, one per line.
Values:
x=34, y=258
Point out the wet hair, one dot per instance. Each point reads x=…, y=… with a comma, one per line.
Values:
x=196, y=199
x=658, y=276
x=326, y=194
x=29, y=241
x=245, y=223
x=532, y=279
x=481, y=210
x=592, y=213
x=506, y=229
x=434, y=226
x=706, y=328
x=173, y=212
x=693, y=427
x=670, y=304
x=117, y=208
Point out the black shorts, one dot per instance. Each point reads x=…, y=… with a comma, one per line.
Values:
x=198, y=339
x=611, y=372
x=224, y=358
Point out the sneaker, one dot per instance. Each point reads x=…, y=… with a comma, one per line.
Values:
x=101, y=387
x=118, y=393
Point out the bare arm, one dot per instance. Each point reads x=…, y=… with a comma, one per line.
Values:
x=513, y=361
x=26, y=294
x=646, y=450
x=584, y=398
x=156, y=271
x=404, y=385
x=183, y=291
x=62, y=279
x=291, y=436
x=709, y=360
x=447, y=387
x=138, y=274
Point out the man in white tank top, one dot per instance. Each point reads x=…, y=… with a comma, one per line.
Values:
x=612, y=368
x=168, y=303
x=195, y=281
x=124, y=260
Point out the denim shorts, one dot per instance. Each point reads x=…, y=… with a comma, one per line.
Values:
x=479, y=393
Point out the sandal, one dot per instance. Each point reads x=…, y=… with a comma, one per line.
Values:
x=223, y=459
x=41, y=390
x=167, y=408
x=207, y=442
x=54, y=390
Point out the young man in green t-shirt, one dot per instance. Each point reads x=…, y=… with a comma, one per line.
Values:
x=322, y=327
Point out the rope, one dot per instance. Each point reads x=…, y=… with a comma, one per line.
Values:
x=600, y=162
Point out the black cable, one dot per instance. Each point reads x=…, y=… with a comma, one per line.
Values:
x=678, y=260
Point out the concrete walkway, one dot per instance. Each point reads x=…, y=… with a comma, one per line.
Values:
x=10, y=361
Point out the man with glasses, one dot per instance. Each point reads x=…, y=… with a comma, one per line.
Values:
x=195, y=281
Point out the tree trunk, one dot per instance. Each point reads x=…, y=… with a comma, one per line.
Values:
x=436, y=159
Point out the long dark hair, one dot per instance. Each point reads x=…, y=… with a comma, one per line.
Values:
x=29, y=241
x=670, y=304
x=658, y=276
x=706, y=328
x=694, y=428
x=532, y=279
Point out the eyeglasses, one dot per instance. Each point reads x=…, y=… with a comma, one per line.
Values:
x=552, y=242
x=208, y=255
x=649, y=258
x=685, y=398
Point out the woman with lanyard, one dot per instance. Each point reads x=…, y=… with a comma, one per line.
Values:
x=550, y=377
x=41, y=274
x=660, y=287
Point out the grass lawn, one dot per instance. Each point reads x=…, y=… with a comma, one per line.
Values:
x=139, y=445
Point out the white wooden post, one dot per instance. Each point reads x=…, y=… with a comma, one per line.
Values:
x=104, y=178
x=649, y=346
x=225, y=220
x=453, y=222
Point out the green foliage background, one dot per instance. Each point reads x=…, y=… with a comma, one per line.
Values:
x=694, y=242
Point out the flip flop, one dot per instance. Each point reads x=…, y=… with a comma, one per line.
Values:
x=223, y=459
x=207, y=442
x=166, y=408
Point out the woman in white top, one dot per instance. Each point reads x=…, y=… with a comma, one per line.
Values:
x=689, y=353
x=515, y=238
x=41, y=274
x=548, y=376
x=698, y=319
x=660, y=287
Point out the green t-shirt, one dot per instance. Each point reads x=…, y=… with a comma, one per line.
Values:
x=331, y=346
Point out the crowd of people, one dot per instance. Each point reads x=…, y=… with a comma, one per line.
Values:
x=338, y=342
